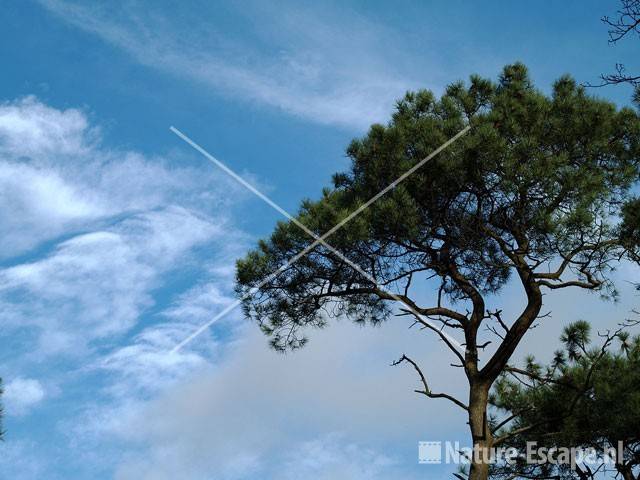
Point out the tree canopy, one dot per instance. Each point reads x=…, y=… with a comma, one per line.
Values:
x=537, y=179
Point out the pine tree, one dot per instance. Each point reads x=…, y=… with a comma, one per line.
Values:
x=539, y=191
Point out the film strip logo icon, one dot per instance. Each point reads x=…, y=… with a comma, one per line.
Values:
x=430, y=452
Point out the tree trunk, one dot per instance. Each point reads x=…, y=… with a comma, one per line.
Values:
x=480, y=432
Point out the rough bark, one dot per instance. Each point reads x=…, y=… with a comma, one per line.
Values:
x=480, y=382
x=480, y=432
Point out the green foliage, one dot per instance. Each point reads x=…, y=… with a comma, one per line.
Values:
x=593, y=400
x=576, y=337
x=630, y=231
x=537, y=178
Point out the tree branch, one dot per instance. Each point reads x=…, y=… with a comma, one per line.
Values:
x=427, y=392
x=441, y=334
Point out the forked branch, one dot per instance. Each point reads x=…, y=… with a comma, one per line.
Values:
x=426, y=390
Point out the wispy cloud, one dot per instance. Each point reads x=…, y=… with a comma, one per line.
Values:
x=96, y=284
x=22, y=394
x=331, y=67
x=56, y=178
x=102, y=271
x=90, y=232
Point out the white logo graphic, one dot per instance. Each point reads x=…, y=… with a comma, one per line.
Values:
x=429, y=452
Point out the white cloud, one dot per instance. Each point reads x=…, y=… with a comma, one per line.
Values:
x=198, y=303
x=147, y=367
x=117, y=222
x=97, y=284
x=332, y=68
x=93, y=238
x=57, y=179
x=28, y=128
x=46, y=192
x=36, y=201
x=22, y=394
x=93, y=234
x=36, y=204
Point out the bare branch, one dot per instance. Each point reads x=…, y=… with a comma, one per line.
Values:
x=628, y=21
x=427, y=392
x=442, y=336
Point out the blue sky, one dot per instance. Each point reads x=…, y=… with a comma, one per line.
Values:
x=117, y=240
